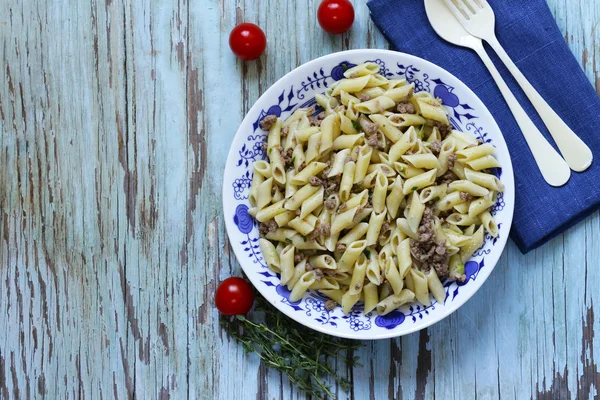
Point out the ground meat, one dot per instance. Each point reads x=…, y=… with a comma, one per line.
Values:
x=320, y=230
x=284, y=131
x=372, y=141
x=314, y=121
x=326, y=230
x=314, y=181
x=331, y=185
x=385, y=227
x=298, y=213
x=330, y=204
x=370, y=128
x=445, y=129
x=466, y=196
x=266, y=227
x=448, y=177
x=406, y=108
x=458, y=277
x=321, y=115
x=342, y=206
x=287, y=158
x=268, y=121
x=310, y=110
x=308, y=267
x=298, y=258
x=426, y=250
x=318, y=274
x=436, y=147
x=330, y=305
x=302, y=166
x=451, y=160
x=341, y=247
x=363, y=97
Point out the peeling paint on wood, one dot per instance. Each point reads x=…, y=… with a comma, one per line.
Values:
x=116, y=118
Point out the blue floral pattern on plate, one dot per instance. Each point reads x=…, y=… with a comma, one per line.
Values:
x=462, y=116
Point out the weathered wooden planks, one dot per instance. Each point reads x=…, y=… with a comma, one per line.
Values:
x=116, y=119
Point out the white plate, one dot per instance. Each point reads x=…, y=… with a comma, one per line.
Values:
x=297, y=89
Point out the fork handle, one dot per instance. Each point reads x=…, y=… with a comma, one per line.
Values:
x=553, y=167
x=577, y=154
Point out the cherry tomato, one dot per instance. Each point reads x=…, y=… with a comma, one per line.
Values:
x=335, y=16
x=234, y=296
x=247, y=41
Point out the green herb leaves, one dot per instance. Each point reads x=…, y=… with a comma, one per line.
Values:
x=304, y=355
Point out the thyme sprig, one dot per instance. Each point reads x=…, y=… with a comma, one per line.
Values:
x=302, y=354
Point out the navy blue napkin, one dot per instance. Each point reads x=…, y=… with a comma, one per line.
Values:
x=530, y=36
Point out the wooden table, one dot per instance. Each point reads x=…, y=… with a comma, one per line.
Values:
x=116, y=119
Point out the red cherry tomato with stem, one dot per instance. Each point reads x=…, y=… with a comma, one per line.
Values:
x=335, y=16
x=234, y=296
x=247, y=41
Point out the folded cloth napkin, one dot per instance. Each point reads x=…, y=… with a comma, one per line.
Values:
x=530, y=36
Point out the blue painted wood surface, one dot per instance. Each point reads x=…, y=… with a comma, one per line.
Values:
x=116, y=119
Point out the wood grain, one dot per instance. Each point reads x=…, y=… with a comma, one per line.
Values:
x=113, y=137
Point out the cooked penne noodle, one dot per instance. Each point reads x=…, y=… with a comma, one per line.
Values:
x=286, y=263
x=295, y=202
x=435, y=286
x=468, y=187
x=270, y=212
x=312, y=149
x=373, y=272
x=426, y=160
x=350, y=85
x=269, y=254
x=475, y=152
x=421, y=287
x=395, y=196
x=347, y=179
x=374, y=226
x=393, y=276
x=347, y=141
x=433, y=193
x=362, y=163
x=482, y=163
x=312, y=169
x=323, y=261
x=348, y=301
x=389, y=130
x=404, y=120
x=376, y=105
x=302, y=285
x=400, y=93
x=312, y=203
x=380, y=193
x=390, y=303
x=351, y=254
x=355, y=234
x=486, y=180
x=487, y=221
x=371, y=297
x=339, y=161
x=358, y=275
x=330, y=131
x=414, y=211
x=421, y=181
